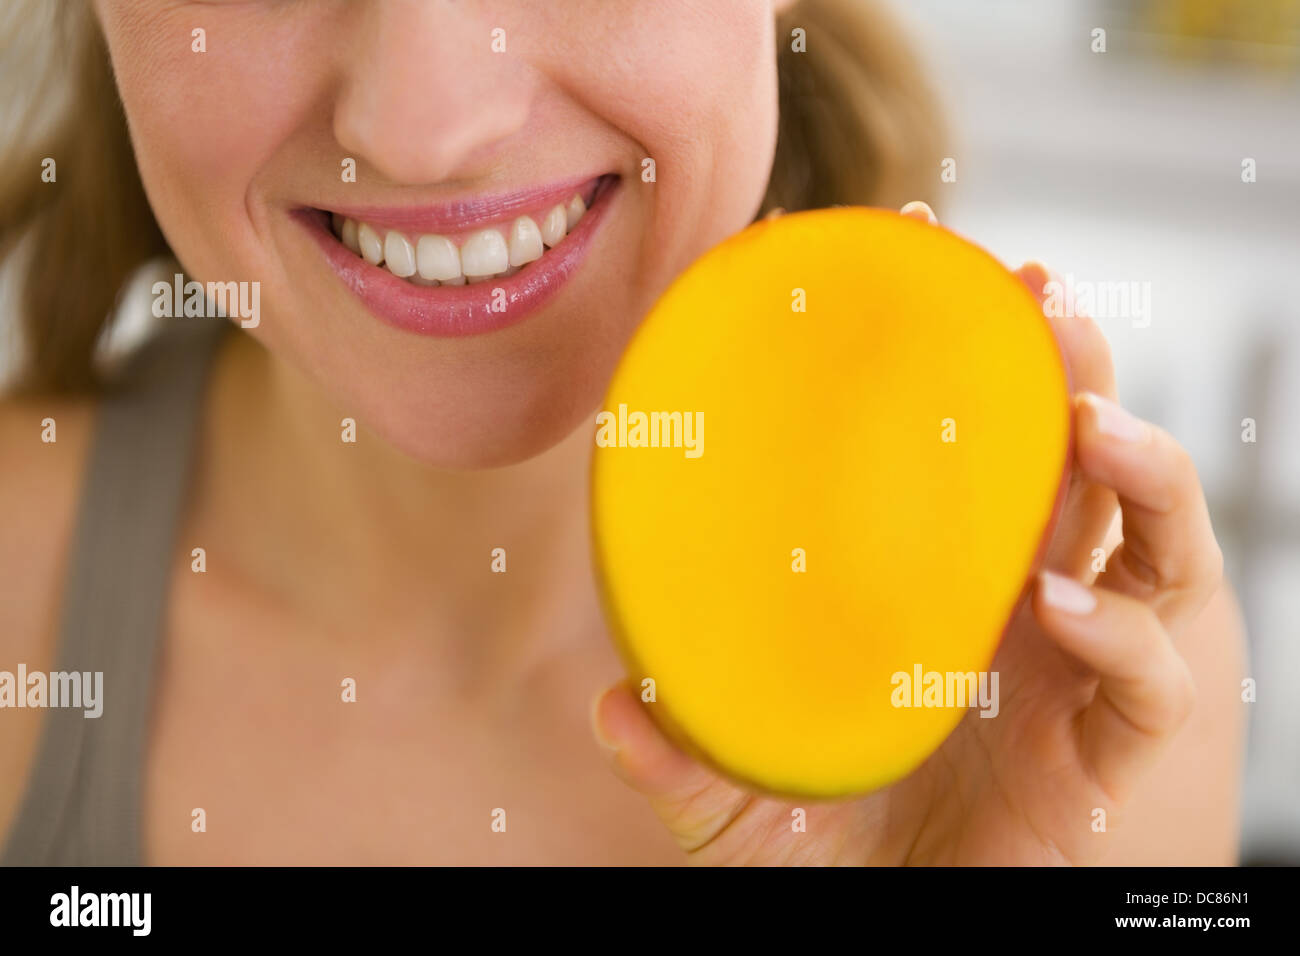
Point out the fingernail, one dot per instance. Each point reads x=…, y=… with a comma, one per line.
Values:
x=1044, y=271
x=1112, y=420
x=775, y=213
x=915, y=205
x=1066, y=594
x=596, y=727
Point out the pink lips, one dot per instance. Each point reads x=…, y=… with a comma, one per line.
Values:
x=450, y=311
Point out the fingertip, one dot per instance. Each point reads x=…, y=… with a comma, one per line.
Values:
x=1117, y=450
x=599, y=725
x=920, y=210
x=1068, y=614
x=1112, y=420
x=621, y=722
x=1065, y=595
x=642, y=755
x=1036, y=276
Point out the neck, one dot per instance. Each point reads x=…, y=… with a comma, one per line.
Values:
x=357, y=533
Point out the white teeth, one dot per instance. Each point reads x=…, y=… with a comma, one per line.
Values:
x=432, y=260
x=399, y=255
x=575, y=210
x=372, y=247
x=484, y=254
x=349, y=235
x=438, y=258
x=525, y=242
x=554, y=226
x=475, y=280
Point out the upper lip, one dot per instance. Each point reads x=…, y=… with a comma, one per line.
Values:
x=465, y=213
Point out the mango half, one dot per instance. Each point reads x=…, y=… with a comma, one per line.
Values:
x=825, y=470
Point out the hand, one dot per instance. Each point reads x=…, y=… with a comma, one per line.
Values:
x=1092, y=686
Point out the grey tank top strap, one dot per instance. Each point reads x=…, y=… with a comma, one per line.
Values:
x=83, y=798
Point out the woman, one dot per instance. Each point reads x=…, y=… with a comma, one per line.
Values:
x=274, y=541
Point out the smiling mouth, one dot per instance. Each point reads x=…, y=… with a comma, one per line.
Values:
x=431, y=259
x=463, y=267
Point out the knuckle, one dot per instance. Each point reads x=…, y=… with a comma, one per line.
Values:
x=1182, y=695
x=1142, y=652
x=1091, y=334
x=1211, y=572
x=1172, y=696
x=1096, y=343
x=1177, y=481
x=1182, y=467
x=1154, y=629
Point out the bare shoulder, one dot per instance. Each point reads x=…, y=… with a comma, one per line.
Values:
x=43, y=444
x=1188, y=809
x=43, y=448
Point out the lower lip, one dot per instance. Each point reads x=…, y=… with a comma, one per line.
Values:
x=453, y=311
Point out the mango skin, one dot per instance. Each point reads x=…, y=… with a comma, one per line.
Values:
x=823, y=432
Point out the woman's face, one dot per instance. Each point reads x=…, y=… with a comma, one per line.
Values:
x=461, y=116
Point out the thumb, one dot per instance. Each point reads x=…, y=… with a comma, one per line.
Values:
x=693, y=801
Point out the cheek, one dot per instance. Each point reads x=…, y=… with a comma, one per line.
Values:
x=694, y=85
x=203, y=123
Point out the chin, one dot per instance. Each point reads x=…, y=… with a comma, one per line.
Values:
x=492, y=431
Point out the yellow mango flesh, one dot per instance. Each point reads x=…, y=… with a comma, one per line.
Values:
x=909, y=432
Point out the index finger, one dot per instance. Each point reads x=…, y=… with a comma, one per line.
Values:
x=1169, y=557
x=1086, y=351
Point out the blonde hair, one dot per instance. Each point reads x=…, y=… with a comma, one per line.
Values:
x=82, y=238
x=859, y=123
x=857, y=126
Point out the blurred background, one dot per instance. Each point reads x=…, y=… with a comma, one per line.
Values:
x=1126, y=166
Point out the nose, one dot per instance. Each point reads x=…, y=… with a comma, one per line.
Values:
x=425, y=97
